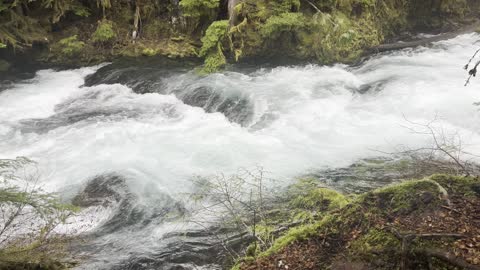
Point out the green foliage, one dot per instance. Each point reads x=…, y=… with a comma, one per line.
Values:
x=149, y=52
x=282, y=6
x=214, y=61
x=71, y=46
x=336, y=37
x=307, y=195
x=285, y=22
x=215, y=35
x=2, y=45
x=81, y=11
x=198, y=8
x=104, y=32
x=29, y=217
x=212, y=48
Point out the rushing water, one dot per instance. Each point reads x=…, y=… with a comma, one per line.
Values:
x=156, y=127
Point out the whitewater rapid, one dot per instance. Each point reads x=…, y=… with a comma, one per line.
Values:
x=290, y=120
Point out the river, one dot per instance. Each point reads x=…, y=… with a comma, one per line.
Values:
x=157, y=126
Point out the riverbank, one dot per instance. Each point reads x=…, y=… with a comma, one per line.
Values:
x=219, y=32
x=431, y=223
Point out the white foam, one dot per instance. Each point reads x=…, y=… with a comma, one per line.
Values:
x=321, y=121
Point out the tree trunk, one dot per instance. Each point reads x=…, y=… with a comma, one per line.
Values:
x=231, y=11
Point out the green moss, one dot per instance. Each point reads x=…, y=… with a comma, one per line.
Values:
x=299, y=233
x=214, y=62
x=198, y=8
x=71, y=46
x=285, y=22
x=468, y=186
x=149, y=52
x=308, y=196
x=265, y=232
x=295, y=234
x=340, y=32
x=252, y=250
x=407, y=197
x=213, y=48
x=337, y=37
x=360, y=228
x=215, y=35
x=104, y=32
x=373, y=242
x=81, y=11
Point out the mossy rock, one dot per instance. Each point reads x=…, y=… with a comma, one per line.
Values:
x=409, y=196
x=307, y=195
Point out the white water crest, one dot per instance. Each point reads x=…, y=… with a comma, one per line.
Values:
x=303, y=118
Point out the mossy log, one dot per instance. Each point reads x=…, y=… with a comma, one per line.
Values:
x=425, y=41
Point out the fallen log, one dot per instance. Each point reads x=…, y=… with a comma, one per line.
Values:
x=424, y=41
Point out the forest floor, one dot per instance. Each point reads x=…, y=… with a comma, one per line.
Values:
x=414, y=225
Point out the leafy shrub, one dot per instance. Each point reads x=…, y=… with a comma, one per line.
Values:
x=71, y=45
x=104, y=32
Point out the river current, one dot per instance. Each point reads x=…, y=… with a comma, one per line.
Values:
x=156, y=126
